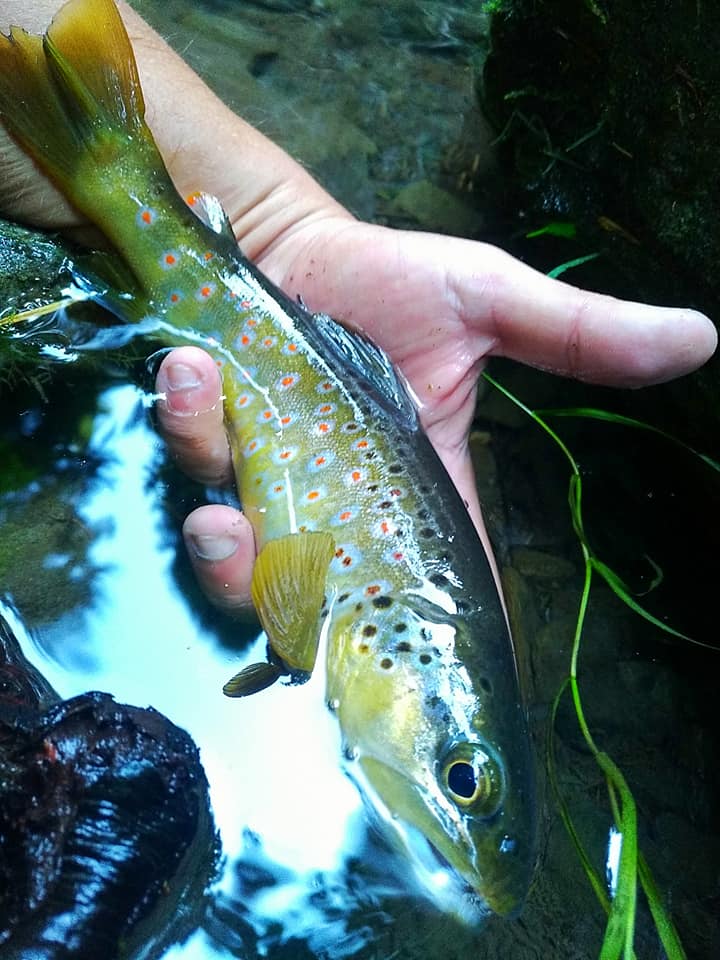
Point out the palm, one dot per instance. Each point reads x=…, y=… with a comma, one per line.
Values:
x=387, y=284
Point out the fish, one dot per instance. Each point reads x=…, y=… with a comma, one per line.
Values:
x=366, y=551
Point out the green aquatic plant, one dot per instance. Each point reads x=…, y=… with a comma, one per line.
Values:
x=633, y=869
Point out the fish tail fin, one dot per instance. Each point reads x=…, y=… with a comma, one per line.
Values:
x=72, y=98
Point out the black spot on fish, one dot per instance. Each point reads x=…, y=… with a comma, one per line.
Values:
x=423, y=514
x=426, y=532
x=395, y=468
x=385, y=505
x=404, y=646
x=343, y=597
x=462, y=607
x=382, y=602
x=485, y=685
x=372, y=487
x=386, y=663
x=358, y=607
x=363, y=648
x=438, y=579
x=369, y=630
x=370, y=455
x=425, y=658
x=400, y=627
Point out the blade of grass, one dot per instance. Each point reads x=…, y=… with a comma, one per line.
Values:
x=34, y=312
x=593, y=413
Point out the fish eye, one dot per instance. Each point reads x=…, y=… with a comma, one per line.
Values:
x=473, y=779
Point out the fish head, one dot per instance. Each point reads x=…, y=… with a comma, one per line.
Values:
x=441, y=755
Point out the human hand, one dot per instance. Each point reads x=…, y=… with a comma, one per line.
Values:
x=438, y=305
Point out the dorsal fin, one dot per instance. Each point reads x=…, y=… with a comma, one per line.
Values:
x=354, y=355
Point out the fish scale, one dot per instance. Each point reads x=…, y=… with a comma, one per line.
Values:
x=362, y=536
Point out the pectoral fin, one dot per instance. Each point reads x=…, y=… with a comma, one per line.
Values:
x=288, y=588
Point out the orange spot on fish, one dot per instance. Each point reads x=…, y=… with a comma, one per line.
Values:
x=174, y=297
x=208, y=255
x=267, y=414
x=170, y=259
x=323, y=427
x=268, y=342
x=339, y=552
x=245, y=340
x=146, y=216
x=252, y=445
x=319, y=461
x=385, y=527
x=356, y=476
x=205, y=291
x=192, y=198
x=347, y=561
x=287, y=381
x=285, y=420
x=285, y=454
x=313, y=495
x=292, y=348
x=243, y=400
x=373, y=590
x=278, y=488
x=361, y=445
x=326, y=408
x=346, y=515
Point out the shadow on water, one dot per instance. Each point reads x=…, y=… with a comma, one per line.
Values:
x=90, y=557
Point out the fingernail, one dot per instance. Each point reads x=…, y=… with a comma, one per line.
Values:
x=212, y=547
x=181, y=376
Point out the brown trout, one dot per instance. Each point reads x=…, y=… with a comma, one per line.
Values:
x=363, y=540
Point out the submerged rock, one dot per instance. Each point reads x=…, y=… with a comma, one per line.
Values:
x=106, y=836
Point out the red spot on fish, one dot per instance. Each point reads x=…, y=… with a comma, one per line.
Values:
x=278, y=488
x=347, y=561
x=245, y=304
x=245, y=340
x=170, y=259
x=205, y=291
x=396, y=492
x=373, y=590
x=174, y=297
x=146, y=216
x=319, y=461
x=398, y=555
x=339, y=552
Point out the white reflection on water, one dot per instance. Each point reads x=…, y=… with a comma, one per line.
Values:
x=272, y=760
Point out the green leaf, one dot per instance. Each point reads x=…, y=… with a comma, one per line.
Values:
x=557, y=228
